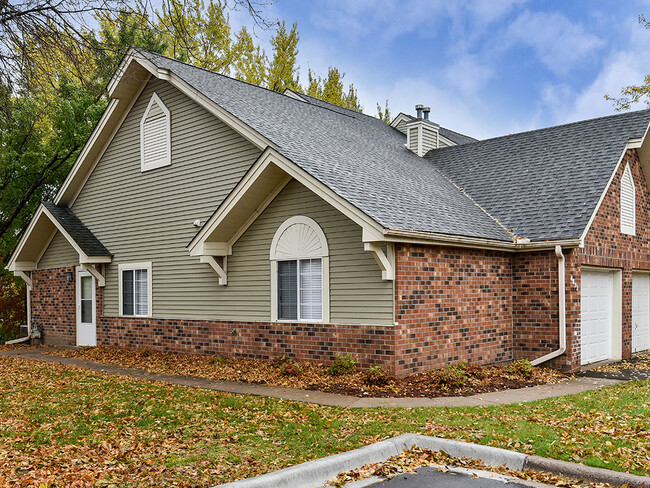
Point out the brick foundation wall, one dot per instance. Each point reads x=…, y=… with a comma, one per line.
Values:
x=54, y=305
x=452, y=304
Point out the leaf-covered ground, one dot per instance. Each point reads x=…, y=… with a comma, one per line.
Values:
x=62, y=426
x=452, y=381
x=640, y=361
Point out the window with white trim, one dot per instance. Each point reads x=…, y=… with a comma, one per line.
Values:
x=628, y=203
x=135, y=289
x=155, y=135
x=299, y=272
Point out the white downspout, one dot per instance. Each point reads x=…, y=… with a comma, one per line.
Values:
x=561, y=274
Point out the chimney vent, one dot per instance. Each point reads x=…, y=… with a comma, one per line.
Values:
x=426, y=111
x=418, y=110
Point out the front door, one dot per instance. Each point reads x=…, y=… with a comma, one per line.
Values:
x=86, y=314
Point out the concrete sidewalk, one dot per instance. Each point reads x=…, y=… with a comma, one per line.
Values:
x=506, y=397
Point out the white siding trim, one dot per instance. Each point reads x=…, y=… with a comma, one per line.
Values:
x=164, y=136
x=628, y=202
x=133, y=266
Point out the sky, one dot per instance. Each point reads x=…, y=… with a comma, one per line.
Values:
x=485, y=67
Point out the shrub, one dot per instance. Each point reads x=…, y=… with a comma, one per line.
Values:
x=521, y=367
x=290, y=369
x=376, y=376
x=452, y=376
x=218, y=360
x=342, y=365
x=475, y=371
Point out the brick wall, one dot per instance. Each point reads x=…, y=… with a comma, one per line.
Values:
x=54, y=305
x=452, y=304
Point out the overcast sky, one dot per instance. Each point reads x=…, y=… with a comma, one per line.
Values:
x=485, y=67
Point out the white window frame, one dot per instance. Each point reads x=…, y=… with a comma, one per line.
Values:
x=628, y=229
x=133, y=267
x=280, y=247
x=162, y=162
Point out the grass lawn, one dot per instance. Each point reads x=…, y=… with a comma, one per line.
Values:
x=61, y=426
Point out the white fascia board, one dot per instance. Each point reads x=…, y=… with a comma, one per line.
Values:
x=271, y=156
x=636, y=143
x=425, y=238
x=293, y=94
x=11, y=264
x=130, y=56
x=399, y=118
x=83, y=258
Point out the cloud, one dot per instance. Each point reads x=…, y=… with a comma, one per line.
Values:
x=557, y=42
x=468, y=74
x=388, y=19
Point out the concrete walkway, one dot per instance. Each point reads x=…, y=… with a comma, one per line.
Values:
x=506, y=397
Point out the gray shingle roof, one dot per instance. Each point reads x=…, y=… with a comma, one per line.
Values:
x=361, y=158
x=543, y=184
x=85, y=239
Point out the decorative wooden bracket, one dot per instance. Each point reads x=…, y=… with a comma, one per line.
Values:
x=92, y=269
x=385, y=260
x=221, y=271
x=25, y=277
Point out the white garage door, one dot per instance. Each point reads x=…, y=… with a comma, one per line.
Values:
x=640, y=312
x=596, y=311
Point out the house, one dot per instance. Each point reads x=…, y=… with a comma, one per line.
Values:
x=211, y=216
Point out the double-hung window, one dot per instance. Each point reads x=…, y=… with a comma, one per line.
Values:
x=300, y=289
x=299, y=272
x=135, y=290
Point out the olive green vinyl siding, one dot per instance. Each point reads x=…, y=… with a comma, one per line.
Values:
x=358, y=295
x=59, y=254
x=148, y=216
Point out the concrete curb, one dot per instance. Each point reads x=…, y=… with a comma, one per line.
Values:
x=315, y=473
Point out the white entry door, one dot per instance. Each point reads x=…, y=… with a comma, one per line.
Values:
x=597, y=299
x=640, y=312
x=86, y=313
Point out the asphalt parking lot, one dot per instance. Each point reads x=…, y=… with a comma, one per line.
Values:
x=429, y=476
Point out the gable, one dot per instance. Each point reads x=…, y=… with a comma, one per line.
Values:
x=605, y=229
x=59, y=253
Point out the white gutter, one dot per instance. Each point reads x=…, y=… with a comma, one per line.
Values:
x=561, y=272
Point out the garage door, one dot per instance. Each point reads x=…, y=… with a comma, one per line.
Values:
x=640, y=312
x=596, y=311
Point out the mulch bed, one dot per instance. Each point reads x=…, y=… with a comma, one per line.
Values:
x=455, y=380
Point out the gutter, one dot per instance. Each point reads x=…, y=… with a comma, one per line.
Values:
x=521, y=245
x=561, y=272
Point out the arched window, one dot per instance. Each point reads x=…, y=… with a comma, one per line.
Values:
x=628, y=203
x=155, y=136
x=299, y=272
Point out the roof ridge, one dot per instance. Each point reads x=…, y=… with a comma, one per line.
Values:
x=255, y=86
x=568, y=124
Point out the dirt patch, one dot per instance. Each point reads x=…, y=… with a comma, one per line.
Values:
x=460, y=379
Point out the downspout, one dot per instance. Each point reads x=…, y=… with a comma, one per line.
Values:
x=561, y=274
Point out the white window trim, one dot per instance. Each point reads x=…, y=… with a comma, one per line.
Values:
x=163, y=162
x=625, y=229
x=134, y=266
x=323, y=254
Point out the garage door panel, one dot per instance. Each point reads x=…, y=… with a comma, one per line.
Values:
x=596, y=313
x=640, y=312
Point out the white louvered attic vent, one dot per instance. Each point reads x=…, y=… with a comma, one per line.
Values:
x=155, y=135
x=628, y=203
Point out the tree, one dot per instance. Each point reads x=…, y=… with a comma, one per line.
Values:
x=249, y=60
x=384, y=114
x=331, y=90
x=633, y=94
x=283, y=71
